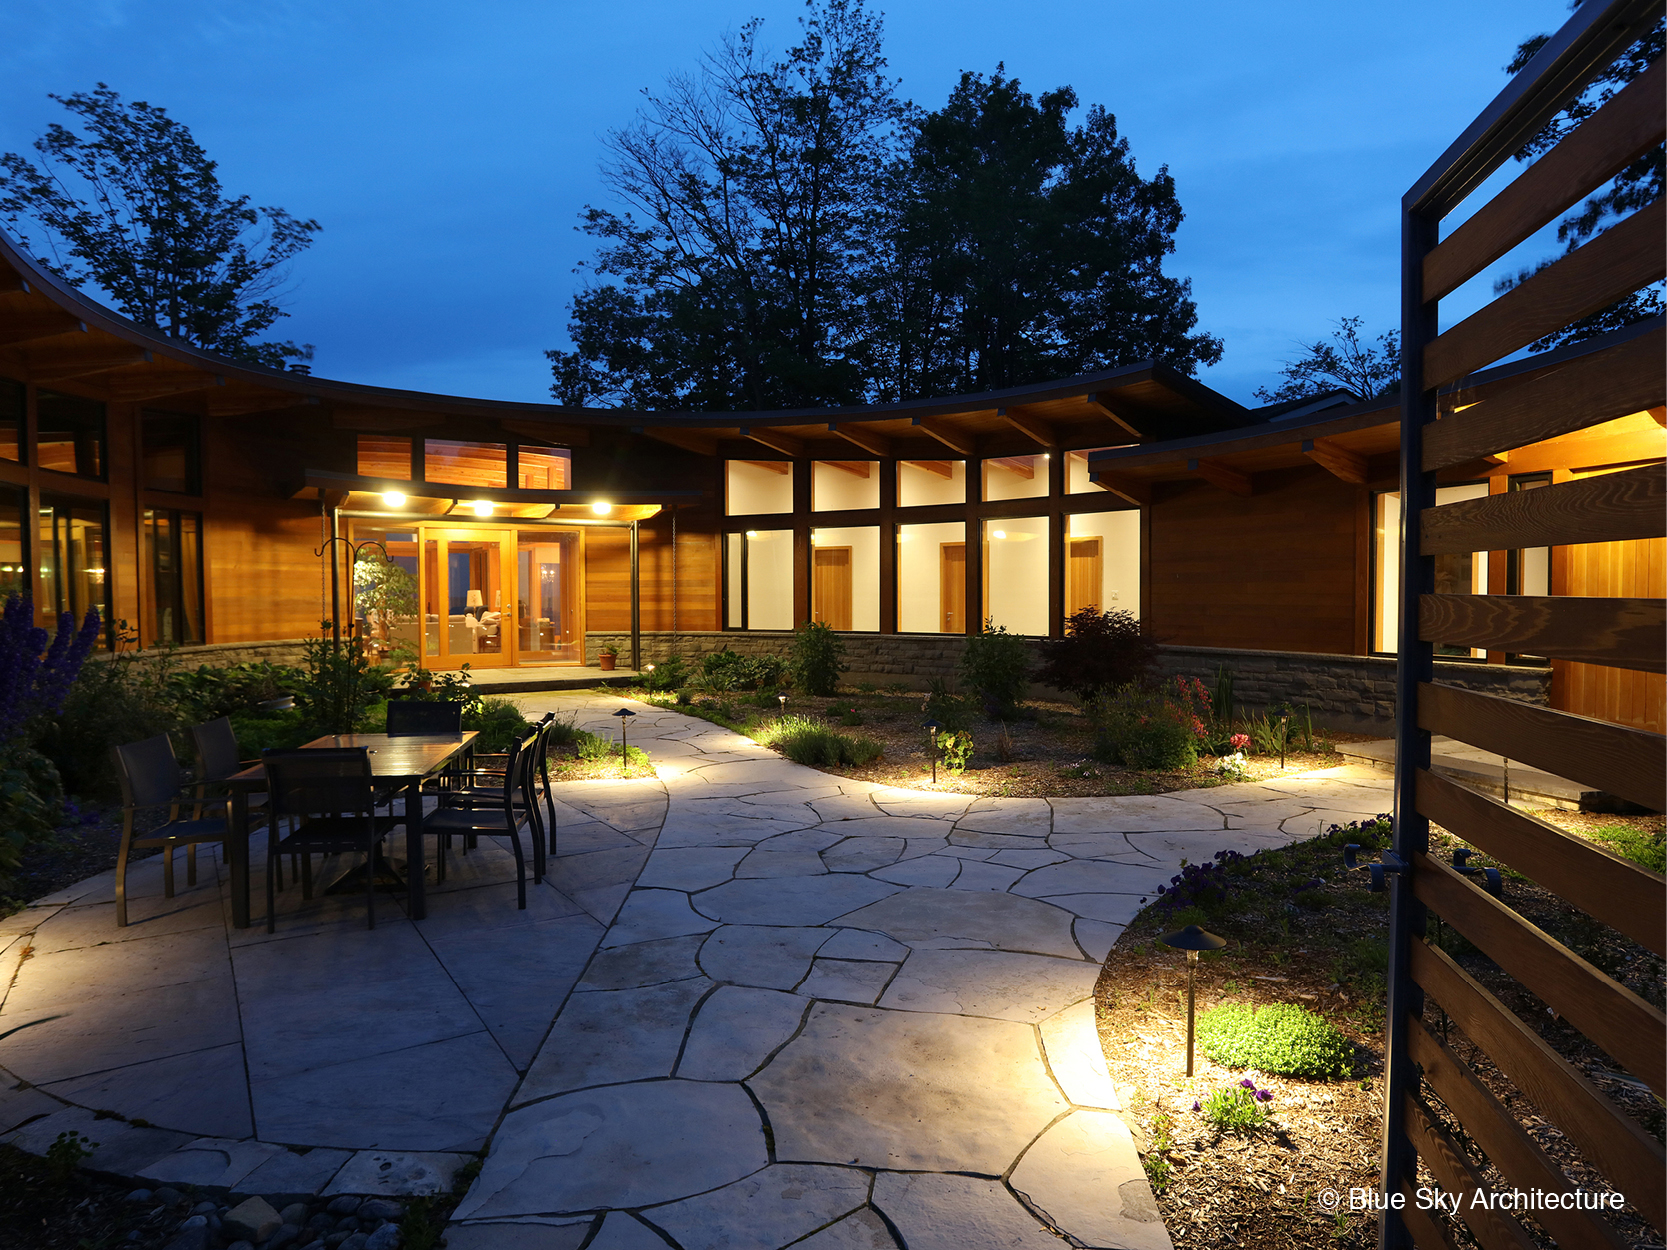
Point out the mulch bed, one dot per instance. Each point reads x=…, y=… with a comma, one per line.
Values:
x=1051, y=753
x=1260, y=1188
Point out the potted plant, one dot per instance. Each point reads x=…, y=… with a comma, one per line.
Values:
x=605, y=657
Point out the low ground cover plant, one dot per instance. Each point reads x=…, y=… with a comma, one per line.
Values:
x=808, y=740
x=1282, y=1038
x=1235, y=1108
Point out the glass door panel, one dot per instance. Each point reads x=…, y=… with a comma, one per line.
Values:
x=549, y=614
x=467, y=577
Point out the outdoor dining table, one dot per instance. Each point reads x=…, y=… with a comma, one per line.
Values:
x=402, y=761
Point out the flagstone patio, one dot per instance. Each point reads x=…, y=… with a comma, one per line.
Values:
x=753, y=1005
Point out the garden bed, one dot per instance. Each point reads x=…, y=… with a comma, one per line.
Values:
x=1323, y=946
x=1051, y=747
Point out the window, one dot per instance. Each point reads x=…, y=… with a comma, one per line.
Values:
x=844, y=485
x=1016, y=574
x=172, y=452
x=381, y=456
x=1016, y=477
x=757, y=486
x=11, y=419
x=174, y=564
x=465, y=464
x=932, y=578
x=69, y=434
x=845, y=577
x=758, y=579
x=1463, y=574
x=923, y=482
x=1076, y=471
x=14, y=548
x=73, y=560
x=543, y=468
x=1102, y=562
x=1529, y=569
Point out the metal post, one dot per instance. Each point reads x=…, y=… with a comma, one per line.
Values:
x=636, y=605
x=1192, y=963
x=335, y=577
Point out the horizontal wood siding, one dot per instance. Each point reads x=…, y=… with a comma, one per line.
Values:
x=1275, y=570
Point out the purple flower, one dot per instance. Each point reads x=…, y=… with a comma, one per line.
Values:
x=1247, y=1083
x=1262, y=1095
x=1195, y=1105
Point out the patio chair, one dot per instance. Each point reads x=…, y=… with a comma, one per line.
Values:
x=485, y=788
x=515, y=803
x=151, y=778
x=327, y=794
x=424, y=716
x=217, y=759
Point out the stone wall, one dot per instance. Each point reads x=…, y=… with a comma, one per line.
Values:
x=1351, y=692
x=221, y=654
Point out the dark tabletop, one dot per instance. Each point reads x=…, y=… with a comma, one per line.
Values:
x=391, y=758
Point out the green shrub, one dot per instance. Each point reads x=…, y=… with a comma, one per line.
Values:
x=667, y=675
x=498, y=721
x=806, y=740
x=997, y=665
x=726, y=670
x=1281, y=1037
x=115, y=700
x=818, y=655
x=1644, y=849
x=31, y=804
x=950, y=710
x=340, y=684
x=209, y=692
x=563, y=731
x=1147, y=727
x=275, y=731
x=1233, y=1108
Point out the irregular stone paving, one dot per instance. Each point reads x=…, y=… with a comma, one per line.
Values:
x=788, y=1009
x=831, y=1015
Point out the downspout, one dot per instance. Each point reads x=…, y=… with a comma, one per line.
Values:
x=636, y=605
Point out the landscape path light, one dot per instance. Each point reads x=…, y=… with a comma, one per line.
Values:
x=625, y=714
x=931, y=727
x=781, y=702
x=1192, y=939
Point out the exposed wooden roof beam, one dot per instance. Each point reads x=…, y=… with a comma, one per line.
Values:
x=856, y=468
x=701, y=444
x=11, y=280
x=871, y=441
x=783, y=467
x=786, y=444
x=1338, y=461
x=223, y=402
x=1218, y=474
x=129, y=388
x=1103, y=402
x=1030, y=427
x=1023, y=466
x=41, y=326
x=58, y=363
x=961, y=444
x=942, y=468
x=1134, y=490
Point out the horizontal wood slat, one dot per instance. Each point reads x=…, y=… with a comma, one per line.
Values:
x=1427, y=1234
x=1622, y=633
x=1616, y=263
x=1620, y=132
x=1619, y=759
x=1630, y=1029
x=1612, y=1141
x=1589, y=390
x=1505, y=1142
x=1456, y=1174
x=1615, y=891
x=1611, y=507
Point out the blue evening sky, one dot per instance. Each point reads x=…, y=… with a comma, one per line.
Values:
x=448, y=149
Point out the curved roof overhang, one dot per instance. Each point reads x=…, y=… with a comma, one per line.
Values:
x=50, y=333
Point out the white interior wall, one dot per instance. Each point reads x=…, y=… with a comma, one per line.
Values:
x=1000, y=482
x=770, y=579
x=1016, y=574
x=919, y=574
x=751, y=489
x=834, y=490
x=732, y=580
x=864, y=542
x=917, y=487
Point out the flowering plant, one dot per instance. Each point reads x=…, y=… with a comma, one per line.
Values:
x=1232, y=767
x=1239, y=742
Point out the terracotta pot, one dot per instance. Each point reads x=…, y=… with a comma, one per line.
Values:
x=606, y=663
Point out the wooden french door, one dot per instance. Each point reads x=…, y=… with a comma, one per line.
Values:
x=466, y=590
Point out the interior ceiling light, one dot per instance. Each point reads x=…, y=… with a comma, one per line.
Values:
x=998, y=533
x=601, y=507
x=393, y=499
x=482, y=507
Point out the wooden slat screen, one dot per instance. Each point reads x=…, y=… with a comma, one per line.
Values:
x=1446, y=1109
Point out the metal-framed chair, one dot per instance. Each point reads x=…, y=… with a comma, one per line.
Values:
x=424, y=716
x=485, y=786
x=151, y=778
x=515, y=803
x=328, y=795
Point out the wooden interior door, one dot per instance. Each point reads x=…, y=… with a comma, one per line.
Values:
x=830, y=587
x=1084, y=575
x=952, y=588
x=467, y=594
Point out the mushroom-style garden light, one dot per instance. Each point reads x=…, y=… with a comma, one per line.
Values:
x=1192, y=939
x=931, y=727
x=781, y=702
x=625, y=714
